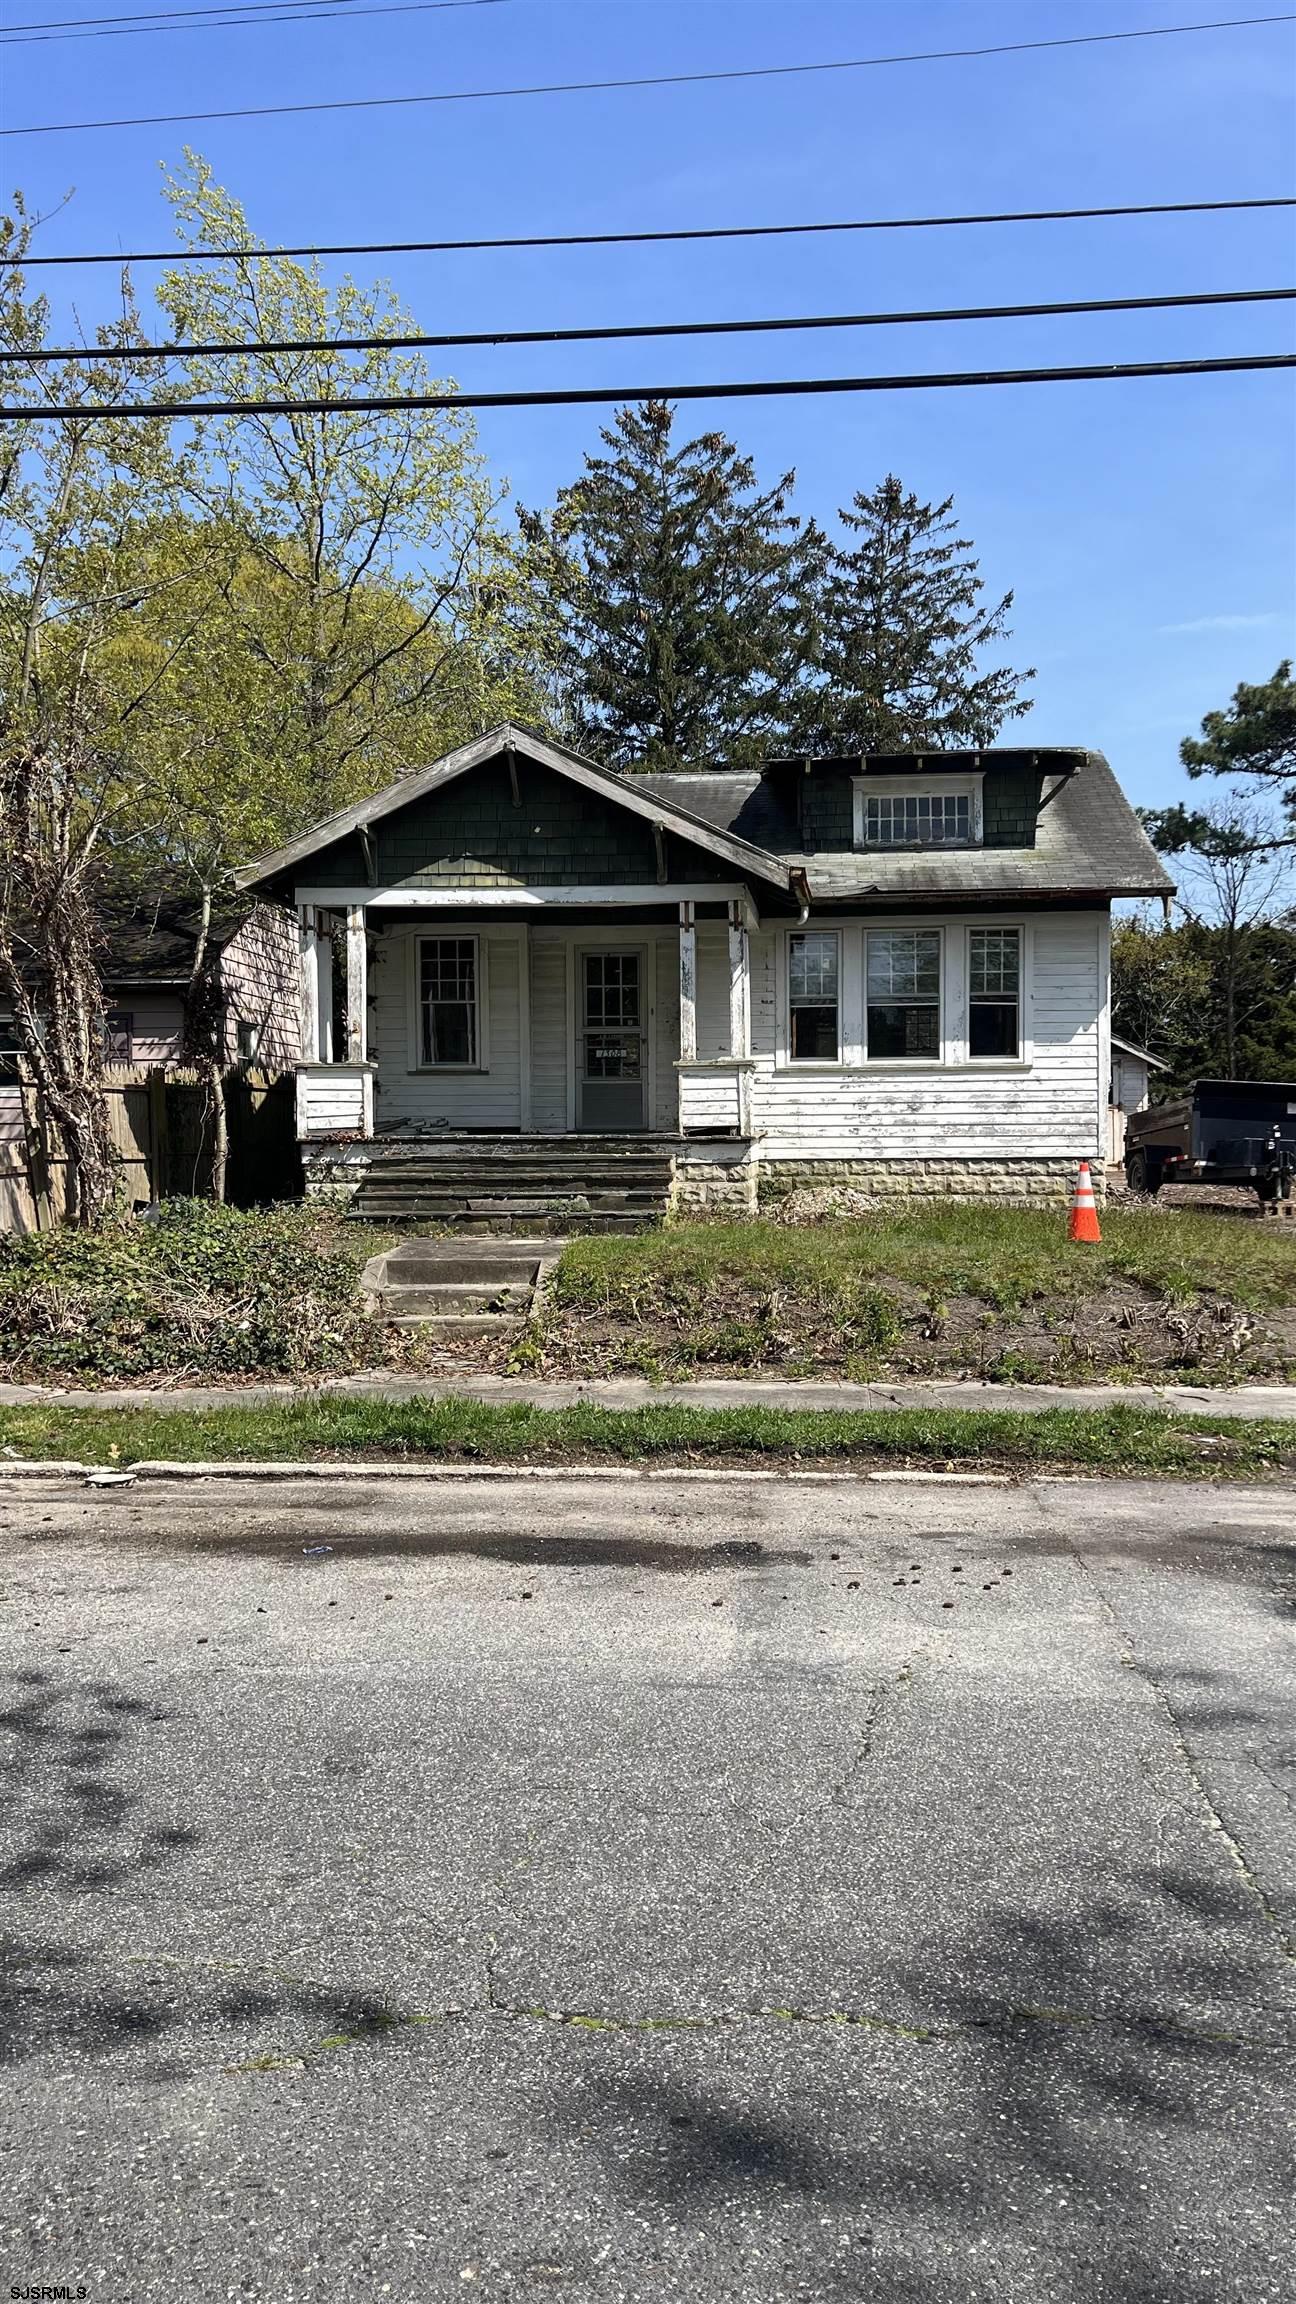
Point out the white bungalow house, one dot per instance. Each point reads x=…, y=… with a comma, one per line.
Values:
x=565, y=983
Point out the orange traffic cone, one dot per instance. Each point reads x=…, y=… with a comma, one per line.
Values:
x=1083, y=1221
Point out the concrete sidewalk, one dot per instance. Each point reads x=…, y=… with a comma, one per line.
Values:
x=1248, y=1401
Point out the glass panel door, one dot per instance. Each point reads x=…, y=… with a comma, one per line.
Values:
x=613, y=1058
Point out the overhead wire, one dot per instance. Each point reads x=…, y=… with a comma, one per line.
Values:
x=649, y=79
x=241, y=14
x=690, y=232
x=95, y=354
x=599, y=395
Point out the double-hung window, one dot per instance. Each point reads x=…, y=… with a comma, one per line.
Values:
x=449, y=1028
x=994, y=992
x=119, y=1031
x=814, y=996
x=903, y=974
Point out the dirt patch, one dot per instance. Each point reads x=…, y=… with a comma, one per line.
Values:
x=1120, y=1332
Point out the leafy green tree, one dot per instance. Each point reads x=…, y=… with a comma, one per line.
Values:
x=687, y=596
x=905, y=631
x=70, y=492
x=363, y=572
x=1230, y=879
x=1210, y=1005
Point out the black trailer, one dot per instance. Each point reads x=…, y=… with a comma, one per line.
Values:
x=1219, y=1132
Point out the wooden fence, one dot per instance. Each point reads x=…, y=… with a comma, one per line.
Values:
x=161, y=1134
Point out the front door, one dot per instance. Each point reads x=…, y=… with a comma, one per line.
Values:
x=613, y=1069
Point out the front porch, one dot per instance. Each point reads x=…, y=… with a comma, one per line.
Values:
x=595, y=1025
x=462, y=1061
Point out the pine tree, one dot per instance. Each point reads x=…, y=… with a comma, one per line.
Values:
x=689, y=598
x=904, y=629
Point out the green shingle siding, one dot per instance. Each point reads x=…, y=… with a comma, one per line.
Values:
x=473, y=835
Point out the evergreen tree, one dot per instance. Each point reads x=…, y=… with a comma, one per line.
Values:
x=904, y=631
x=688, y=597
x=1254, y=742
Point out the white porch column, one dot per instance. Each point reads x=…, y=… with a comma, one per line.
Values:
x=357, y=986
x=688, y=986
x=687, y=1001
x=324, y=979
x=740, y=1011
x=308, y=940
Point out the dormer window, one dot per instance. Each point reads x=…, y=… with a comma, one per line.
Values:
x=917, y=811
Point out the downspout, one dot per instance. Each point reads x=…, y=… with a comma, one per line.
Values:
x=800, y=886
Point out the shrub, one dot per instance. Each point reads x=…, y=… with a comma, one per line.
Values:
x=203, y=1290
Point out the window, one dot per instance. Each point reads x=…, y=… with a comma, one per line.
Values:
x=903, y=995
x=248, y=1036
x=903, y=812
x=813, y=975
x=118, y=1026
x=448, y=1000
x=917, y=819
x=994, y=992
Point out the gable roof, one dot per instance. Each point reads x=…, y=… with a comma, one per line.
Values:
x=635, y=793
x=1088, y=840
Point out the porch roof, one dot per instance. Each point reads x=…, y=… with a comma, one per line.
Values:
x=631, y=793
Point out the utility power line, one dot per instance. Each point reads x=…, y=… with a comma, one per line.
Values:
x=241, y=14
x=95, y=354
x=648, y=79
x=644, y=239
x=600, y=396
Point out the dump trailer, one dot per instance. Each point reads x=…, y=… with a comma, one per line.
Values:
x=1218, y=1132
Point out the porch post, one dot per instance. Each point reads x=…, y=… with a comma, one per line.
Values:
x=357, y=986
x=687, y=1000
x=324, y=981
x=307, y=932
x=740, y=1011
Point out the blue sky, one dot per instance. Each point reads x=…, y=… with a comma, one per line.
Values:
x=1145, y=527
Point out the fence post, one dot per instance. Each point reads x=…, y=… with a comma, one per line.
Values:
x=159, y=1138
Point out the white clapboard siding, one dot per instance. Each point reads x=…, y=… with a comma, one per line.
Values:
x=709, y=1100
x=330, y=1100
x=549, y=1030
x=408, y=1098
x=1048, y=1108
x=712, y=989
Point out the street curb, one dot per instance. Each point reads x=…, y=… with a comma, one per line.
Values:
x=275, y=1470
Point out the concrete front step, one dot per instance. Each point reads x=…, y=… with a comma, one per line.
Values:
x=501, y=1264
x=457, y=1296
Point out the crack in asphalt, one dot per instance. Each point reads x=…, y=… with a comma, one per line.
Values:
x=1203, y=1802
x=381, y=2021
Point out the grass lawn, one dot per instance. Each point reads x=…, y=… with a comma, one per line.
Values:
x=1113, y=1440
x=942, y=1288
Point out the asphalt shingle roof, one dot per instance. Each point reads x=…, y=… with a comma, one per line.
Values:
x=1088, y=842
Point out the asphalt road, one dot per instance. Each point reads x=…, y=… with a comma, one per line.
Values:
x=623, y=1890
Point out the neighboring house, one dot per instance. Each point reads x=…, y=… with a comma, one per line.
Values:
x=253, y=968
x=891, y=971
x=1130, y=1067
x=144, y=968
